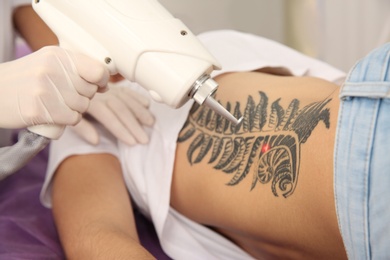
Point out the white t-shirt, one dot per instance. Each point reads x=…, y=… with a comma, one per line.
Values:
x=7, y=32
x=147, y=169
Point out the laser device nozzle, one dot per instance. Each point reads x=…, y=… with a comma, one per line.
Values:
x=202, y=91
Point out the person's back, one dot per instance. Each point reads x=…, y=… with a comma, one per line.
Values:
x=267, y=185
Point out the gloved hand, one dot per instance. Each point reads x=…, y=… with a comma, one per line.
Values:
x=122, y=111
x=50, y=86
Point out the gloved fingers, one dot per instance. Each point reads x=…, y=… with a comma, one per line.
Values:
x=138, y=105
x=127, y=121
x=50, y=117
x=48, y=109
x=91, y=70
x=81, y=87
x=60, y=115
x=71, y=118
x=75, y=72
x=85, y=75
x=139, y=97
x=70, y=98
x=111, y=120
x=48, y=88
x=62, y=68
x=86, y=131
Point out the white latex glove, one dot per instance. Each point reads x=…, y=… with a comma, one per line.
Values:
x=122, y=111
x=49, y=86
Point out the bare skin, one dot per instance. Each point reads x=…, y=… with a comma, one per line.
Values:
x=266, y=221
x=30, y=25
x=296, y=220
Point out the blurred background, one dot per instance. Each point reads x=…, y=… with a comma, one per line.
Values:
x=338, y=32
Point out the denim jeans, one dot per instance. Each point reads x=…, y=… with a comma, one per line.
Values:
x=362, y=158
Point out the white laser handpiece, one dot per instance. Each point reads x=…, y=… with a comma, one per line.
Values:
x=140, y=40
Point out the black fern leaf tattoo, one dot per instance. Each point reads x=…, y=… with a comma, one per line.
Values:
x=273, y=149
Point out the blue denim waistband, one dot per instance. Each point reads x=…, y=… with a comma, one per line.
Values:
x=370, y=77
x=362, y=162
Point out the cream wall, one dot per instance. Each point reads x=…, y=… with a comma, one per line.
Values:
x=352, y=28
x=262, y=17
x=337, y=31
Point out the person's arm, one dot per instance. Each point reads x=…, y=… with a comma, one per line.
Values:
x=93, y=211
x=32, y=28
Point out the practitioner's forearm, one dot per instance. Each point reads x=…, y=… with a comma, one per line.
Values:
x=31, y=27
x=92, y=210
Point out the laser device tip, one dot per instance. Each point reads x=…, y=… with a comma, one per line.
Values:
x=218, y=108
x=202, y=92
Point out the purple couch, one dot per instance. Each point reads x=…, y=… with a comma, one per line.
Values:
x=27, y=229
